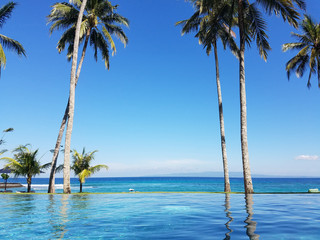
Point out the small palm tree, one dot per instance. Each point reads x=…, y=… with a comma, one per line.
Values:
x=99, y=22
x=211, y=21
x=308, y=45
x=5, y=13
x=25, y=163
x=81, y=165
x=5, y=177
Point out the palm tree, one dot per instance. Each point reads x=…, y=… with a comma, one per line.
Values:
x=252, y=26
x=5, y=13
x=25, y=163
x=210, y=22
x=5, y=177
x=308, y=45
x=81, y=165
x=99, y=23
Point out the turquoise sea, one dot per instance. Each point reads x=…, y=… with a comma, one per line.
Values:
x=176, y=184
x=164, y=215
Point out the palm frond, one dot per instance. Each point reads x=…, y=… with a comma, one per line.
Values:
x=5, y=12
x=293, y=46
x=59, y=168
x=3, y=59
x=258, y=28
x=12, y=45
x=284, y=8
x=110, y=40
x=84, y=174
x=97, y=168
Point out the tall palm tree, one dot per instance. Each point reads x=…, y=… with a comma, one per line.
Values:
x=252, y=27
x=25, y=163
x=81, y=165
x=308, y=44
x=210, y=21
x=11, y=44
x=99, y=22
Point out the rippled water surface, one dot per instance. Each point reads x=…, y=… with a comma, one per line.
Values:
x=160, y=216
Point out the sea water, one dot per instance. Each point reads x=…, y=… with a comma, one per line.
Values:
x=160, y=216
x=175, y=184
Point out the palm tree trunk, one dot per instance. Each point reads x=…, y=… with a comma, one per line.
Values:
x=51, y=188
x=222, y=133
x=243, y=106
x=66, y=168
x=29, y=184
x=5, y=185
x=80, y=187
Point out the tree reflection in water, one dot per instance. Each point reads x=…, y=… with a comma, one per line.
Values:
x=228, y=215
x=251, y=225
x=64, y=215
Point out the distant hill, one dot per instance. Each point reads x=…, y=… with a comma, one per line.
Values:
x=220, y=174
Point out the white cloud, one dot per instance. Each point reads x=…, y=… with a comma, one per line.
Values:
x=307, y=157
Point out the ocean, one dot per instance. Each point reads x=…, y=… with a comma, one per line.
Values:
x=175, y=184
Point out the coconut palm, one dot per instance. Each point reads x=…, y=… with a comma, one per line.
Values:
x=81, y=165
x=210, y=21
x=25, y=163
x=252, y=27
x=308, y=44
x=99, y=22
x=6, y=42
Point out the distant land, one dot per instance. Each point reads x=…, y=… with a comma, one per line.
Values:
x=220, y=174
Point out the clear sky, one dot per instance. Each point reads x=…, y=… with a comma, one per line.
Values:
x=155, y=111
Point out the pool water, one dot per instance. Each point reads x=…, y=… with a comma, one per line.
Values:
x=160, y=216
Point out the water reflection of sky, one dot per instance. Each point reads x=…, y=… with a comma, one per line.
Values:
x=160, y=216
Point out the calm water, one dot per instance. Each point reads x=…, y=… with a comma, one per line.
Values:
x=160, y=216
x=177, y=184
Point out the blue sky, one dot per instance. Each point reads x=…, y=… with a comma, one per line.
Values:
x=155, y=111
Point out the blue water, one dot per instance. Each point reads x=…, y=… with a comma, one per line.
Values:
x=177, y=184
x=160, y=216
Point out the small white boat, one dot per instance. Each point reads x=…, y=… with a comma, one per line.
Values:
x=131, y=189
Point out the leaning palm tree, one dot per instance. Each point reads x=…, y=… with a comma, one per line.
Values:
x=99, y=22
x=308, y=44
x=252, y=27
x=81, y=165
x=25, y=163
x=210, y=22
x=11, y=44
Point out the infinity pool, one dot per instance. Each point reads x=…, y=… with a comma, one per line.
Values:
x=160, y=216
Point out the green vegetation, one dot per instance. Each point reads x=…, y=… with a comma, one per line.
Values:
x=308, y=45
x=81, y=165
x=5, y=177
x=99, y=22
x=25, y=163
x=11, y=44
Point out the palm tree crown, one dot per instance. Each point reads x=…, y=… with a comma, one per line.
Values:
x=81, y=165
x=99, y=23
x=5, y=13
x=308, y=45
